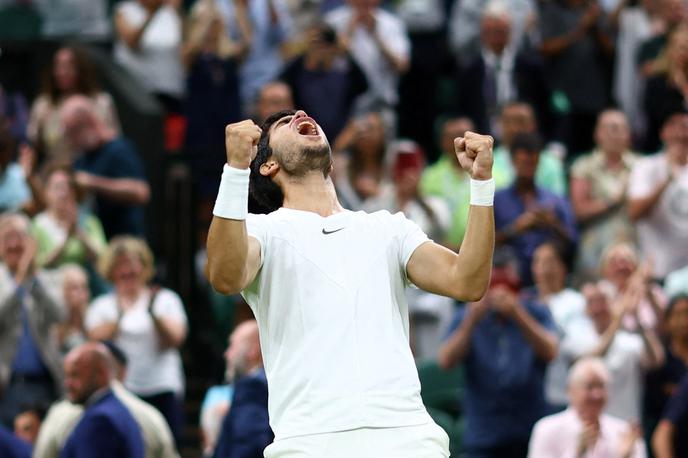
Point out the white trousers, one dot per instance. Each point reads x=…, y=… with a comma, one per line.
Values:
x=423, y=441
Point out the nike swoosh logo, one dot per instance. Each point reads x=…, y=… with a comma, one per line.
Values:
x=331, y=232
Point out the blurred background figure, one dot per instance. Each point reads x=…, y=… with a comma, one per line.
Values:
x=325, y=80
x=505, y=342
x=599, y=181
x=15, y=193
x=27, y=423
x=584, y=429
x=71, y=332
x=12, y=446
x=106, y=428
x=71, y=73
x=272, y=97
x=30, y=305
x=148, y=323
x=245, y=429
x=658, y=199
x=149, y=40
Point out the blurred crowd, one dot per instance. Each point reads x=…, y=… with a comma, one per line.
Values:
x=584, y=329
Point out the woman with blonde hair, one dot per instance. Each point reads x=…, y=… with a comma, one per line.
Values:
x=148, y=323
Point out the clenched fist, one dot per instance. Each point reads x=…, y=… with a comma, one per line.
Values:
x=474, y=152
x=241, y=143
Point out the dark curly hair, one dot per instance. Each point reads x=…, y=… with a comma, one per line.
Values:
x=266, y=194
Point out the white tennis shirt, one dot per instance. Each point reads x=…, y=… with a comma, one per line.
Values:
x=333, y=318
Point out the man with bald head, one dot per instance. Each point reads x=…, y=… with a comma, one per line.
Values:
x=106, y=429
x=107, y=167
x=245, y=430
x=583, y=430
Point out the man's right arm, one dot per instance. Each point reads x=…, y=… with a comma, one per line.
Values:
x=233, y=256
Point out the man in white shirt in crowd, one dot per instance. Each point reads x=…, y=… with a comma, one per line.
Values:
x=583, y=430
x=327, y=285
x=658, y=199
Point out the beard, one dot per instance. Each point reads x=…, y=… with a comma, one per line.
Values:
x=311, y=158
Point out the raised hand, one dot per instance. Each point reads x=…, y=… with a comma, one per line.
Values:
x=474, y=152
x=241, y=143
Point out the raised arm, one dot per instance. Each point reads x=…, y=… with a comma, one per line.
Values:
x=463, y=276
x=233, y=257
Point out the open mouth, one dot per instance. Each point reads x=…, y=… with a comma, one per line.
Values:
x=307, y=127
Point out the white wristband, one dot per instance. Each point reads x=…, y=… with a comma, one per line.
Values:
x=232, y=197
x=482, y=192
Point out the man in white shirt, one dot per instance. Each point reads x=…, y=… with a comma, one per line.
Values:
x=583, y=431
x=658, y=199
x=327, y=288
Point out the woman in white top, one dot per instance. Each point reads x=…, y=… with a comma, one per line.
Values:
x=149, y=40
x=147, y=323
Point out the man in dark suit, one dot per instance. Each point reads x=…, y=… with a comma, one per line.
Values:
x=245, y=430
x=499, y=74
x=107, y=429
x=11, y=446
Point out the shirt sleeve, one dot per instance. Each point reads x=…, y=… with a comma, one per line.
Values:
x=410, y=237
x=257, y=226
x=642, y=181
x=102, y=310
x=676, y=410
x=169, y=305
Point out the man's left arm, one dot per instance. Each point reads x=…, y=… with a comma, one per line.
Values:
x=463, y=276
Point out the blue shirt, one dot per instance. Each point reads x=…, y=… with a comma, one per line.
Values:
x=677, y=413
x=504, y=394
x=115, y=159
x=11, y=446
x=508, y=206
x=14, y=191
x=27, y=359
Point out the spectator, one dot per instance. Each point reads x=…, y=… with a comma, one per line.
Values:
x=216, y=405
x=106, y=428
x=245, y=429
x=13, y=447
x=149, y=324
x=505, y=343
x=447, y=180
x=15, y=111
x=662, y=383
x=271, y=28
x=149, y=40
x=464, y=25
x=71, y=73
x=15, y=192
x=64, y=232
x=212, y=59
x=429, y=314
x=657, y=198
x=27, y=423
x=30, y=370
x=272, y=97
x=667, y=91
x=671, y=13
x=519, y=118
x=362, y=178
x=626, y=355
x=621, y=273
x=360, y=25
x=576, y=45
x=108, y=167
x=63, y=417
x=71, y=332
x=567, y=307
x=598, y=191
x=527, y=215
x=325, y=81
x=669, y=439
x=499, y=74
x=584, y=429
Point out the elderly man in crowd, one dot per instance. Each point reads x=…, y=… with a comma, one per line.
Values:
x=583, y=430
x=30, y=305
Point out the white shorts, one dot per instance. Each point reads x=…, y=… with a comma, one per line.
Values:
x=422, y=441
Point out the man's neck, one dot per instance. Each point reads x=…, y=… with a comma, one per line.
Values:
x=525, y=186
x=313, y=192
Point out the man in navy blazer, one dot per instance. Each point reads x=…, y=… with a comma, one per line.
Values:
x=107, y=429
x=13, y=447
x=246, y=429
